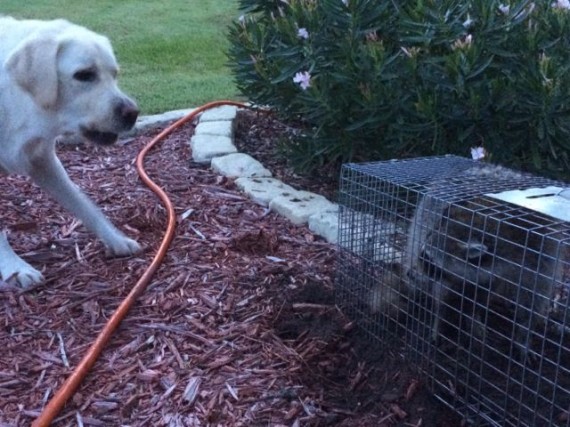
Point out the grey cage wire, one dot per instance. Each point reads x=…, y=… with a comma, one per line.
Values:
x=475, y=288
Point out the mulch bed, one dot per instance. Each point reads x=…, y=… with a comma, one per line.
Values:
x=237, y=328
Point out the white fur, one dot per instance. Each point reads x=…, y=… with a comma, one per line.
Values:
x=57, y=79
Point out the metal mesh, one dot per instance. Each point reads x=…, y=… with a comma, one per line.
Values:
x=476, y=289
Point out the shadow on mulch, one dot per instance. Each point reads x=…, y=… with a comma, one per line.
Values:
x=360, y=382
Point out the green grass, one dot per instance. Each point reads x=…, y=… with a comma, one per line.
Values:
x=172, y=55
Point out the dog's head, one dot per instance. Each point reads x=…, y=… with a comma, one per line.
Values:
x=71, y=73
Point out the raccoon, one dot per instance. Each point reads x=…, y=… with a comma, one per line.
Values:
x=501, y=255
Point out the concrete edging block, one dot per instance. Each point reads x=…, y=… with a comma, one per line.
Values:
x=217, y=127
x=224, y=112
x=298, y=207
x=239, y=165
x=206, y=147
x=325, y=224
x=264, y=190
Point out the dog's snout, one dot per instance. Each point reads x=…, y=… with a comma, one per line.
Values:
x=128, y=112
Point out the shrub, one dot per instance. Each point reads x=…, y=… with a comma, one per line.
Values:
x=372, y=80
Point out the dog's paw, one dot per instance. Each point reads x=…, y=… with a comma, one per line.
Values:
x=15, y=269
x=122, y=247
x=22, y=273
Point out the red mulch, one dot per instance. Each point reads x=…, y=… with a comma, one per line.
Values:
x=237, y=328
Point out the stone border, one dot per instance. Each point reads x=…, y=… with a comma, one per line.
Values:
x=213, y=144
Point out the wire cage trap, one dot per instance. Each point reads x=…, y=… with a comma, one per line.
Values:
x=465, y=265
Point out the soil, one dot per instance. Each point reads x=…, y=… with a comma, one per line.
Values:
x=239, y=326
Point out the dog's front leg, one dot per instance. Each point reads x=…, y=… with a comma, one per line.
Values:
x=49, y=174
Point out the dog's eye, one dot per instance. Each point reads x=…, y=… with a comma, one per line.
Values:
x=85, y=75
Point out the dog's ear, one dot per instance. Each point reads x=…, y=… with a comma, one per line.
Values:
x=33, y=65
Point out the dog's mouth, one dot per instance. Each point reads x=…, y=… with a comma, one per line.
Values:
x=98, y=137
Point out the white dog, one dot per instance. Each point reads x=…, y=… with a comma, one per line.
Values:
x=57, y=79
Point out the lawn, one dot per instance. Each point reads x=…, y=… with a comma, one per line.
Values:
x=172, y=55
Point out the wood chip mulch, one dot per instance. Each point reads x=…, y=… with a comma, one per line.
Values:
x=237, y=328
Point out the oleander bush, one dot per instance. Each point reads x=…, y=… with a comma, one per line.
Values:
x=368, y=80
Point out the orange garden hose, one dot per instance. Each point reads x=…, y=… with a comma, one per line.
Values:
x=72, y=383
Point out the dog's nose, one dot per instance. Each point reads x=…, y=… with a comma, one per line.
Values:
x=128, y=112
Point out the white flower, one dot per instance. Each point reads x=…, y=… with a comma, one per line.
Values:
x=345, y=2
x=241, y=19
x=302, y=33
x=504, y=8
x=561, y=4
x=303, y=79
x=478, y=153
x=463, y=43
x=468, y=22
x=411, y=52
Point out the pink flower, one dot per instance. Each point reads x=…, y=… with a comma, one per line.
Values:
x=303, y=79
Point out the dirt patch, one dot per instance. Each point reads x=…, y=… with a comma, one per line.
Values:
x=358, y=382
